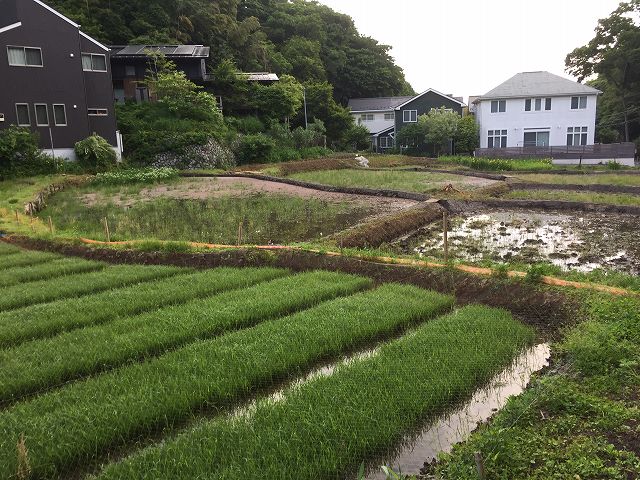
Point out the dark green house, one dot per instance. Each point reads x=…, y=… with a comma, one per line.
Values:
x=386, y=116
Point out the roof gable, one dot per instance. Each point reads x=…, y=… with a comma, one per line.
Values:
x=534, y=84
x=431, y=90
x=376, y=104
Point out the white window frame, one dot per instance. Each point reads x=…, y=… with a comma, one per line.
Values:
x=577, y=132
x=64, y=109
x=18, y=116
x=388, y=142
x=412, y=114
x=367, y=117
x=579, y=102
x=389, y=116
x=106, y=66
x=98, y=112
x=46, y=109
x=498, y=104
x=24, y=49
x=497, y=134
x=548, y=101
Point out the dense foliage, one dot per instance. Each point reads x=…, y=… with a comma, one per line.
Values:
x=20, y=154
x=302, y=38
x=136, y=175
x=613, y=55
x=94, y=154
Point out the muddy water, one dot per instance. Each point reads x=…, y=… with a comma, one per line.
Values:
x=577, y=241
x=458, y=425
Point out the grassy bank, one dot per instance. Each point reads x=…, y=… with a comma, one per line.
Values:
x=592, y=197
x=600, y=179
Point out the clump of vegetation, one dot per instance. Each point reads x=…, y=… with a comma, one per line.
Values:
x=613, y=165
x=535, y=273
x=95, y=154
x=136, y=175
x=20, y=154
x=497, y=164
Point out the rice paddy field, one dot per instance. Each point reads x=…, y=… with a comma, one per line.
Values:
x=130, y=371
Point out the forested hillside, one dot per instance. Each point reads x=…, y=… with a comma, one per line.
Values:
x=303, y=38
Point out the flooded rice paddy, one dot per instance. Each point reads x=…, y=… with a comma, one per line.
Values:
x=456, y=426
x=580, y=241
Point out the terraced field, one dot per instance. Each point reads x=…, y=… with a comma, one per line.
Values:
x=161, y=372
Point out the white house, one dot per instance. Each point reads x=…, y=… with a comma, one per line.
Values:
x=537, y=109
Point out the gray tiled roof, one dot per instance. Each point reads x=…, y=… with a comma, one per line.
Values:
x=380, y=103
x=534, y=84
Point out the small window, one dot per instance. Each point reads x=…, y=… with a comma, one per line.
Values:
x=98, y=112
x=94, y=62
x=22, y=114
x=498, y=106
x=578, y=103
x=547, y=104
x=25, y=56
x=410, y=116
x=130, y=70
x=497, y=139
x=577, y=136
x=389, y=116
x=538, y=104
x=42, y=115
x=59, y=115
x=386, y=142
x=527, y=105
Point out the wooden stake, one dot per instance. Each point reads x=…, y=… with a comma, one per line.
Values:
x=445, y=236
x=17, y=217
x=31, y=224
x=480, y=465
x=239, y=234
x=106, y=230
x=50, y=226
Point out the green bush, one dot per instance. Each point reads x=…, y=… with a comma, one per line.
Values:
x=613, y=165
x=498, y=164
x=20, y=154
x=95, y=154
x=136, y=175
x=249, y=125
x=255, y=149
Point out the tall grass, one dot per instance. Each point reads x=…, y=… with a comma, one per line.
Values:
x=324, y=428
x=41, y=364
x=166, y=390
x=499, y=164
x=8, y=249
x=26, y=258
x=50, y=269
x=77, y=285
x=48, y=319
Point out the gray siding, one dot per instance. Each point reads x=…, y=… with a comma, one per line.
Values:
x=61, y=80
x=424, y=104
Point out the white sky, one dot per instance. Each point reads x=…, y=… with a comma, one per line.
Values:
x=467, y=47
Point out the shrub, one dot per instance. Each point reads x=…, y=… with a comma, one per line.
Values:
x=211, y=154
x=535, y=274
x=284, y=154
x=246, y=125
x=95, y=154
x=254, y=148
x=613, y=165
x=20, y=154
x=356, y=138
x=136, y=175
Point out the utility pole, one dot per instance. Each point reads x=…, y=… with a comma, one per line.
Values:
x=304, y=96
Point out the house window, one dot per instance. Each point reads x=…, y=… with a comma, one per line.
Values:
x=498, y=106
x=497, y=139
x=576, y=136
x=410, y=116
x=547, y=103
x=22, y=114
x=130, y=70
x=59, y=115
x=536, y=104
x=25, y=56
x=389, y=116
x=536, y=139
x=578, y=103
x=98, y=112
x=367, y=117
x=42, y=114
x=386, y=142
x=94, y=62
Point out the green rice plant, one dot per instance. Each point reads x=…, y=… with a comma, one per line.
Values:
x=42, y=291
x=41, y=364
x=8, y=249
x=326, y=426
x=55, y=268
x=26, y=258
x=48, y=319
x=214, y=373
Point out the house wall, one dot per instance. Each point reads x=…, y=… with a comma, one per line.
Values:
x=423, y=104
x=517, y=121
x=377, y=124
x=60, y=80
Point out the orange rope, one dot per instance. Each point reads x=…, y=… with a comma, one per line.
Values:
x=558, y=282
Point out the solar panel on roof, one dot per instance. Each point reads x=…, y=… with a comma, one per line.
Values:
x=184, y=50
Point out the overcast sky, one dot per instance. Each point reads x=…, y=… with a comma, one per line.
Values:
x=467, y=47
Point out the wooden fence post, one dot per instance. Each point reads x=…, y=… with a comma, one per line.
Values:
x=107, y=234
x=50, y=226
x=445, y=236
x=480, y=465
x=17, y=217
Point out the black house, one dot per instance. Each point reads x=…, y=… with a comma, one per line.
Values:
x=54, y=78
x=130, y=64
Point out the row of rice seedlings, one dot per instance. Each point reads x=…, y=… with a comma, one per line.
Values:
x=77, y=285
x=326, y=427
x=140, y=398
x=54, y=268
x=24, y=258
x=8, y=249
x=49, y=319
x=45, y=363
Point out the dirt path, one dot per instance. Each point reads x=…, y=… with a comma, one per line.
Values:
x=215, y=187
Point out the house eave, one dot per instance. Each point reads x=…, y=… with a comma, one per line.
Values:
x=539, y=95
x=432, y=90
x=10, y=27
x=372, y=111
